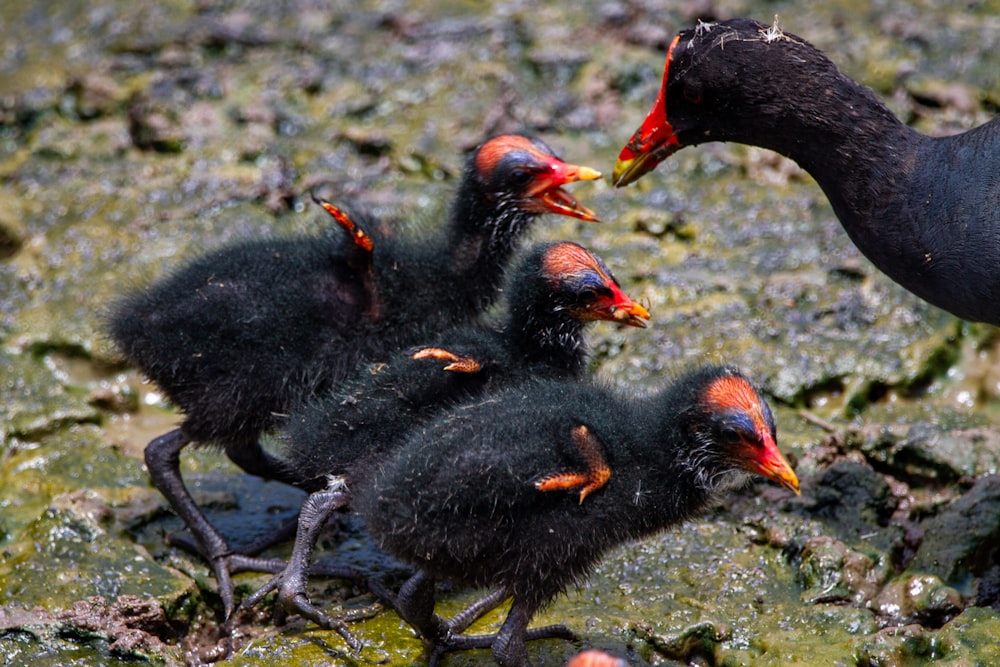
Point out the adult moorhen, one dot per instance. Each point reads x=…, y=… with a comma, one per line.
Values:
x=554, y=291
x=926, y=211
x=241, y=334
x=460, y=500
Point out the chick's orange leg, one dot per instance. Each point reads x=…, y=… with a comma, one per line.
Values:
x=456, y=363
x=597, y=474
x=358, y=235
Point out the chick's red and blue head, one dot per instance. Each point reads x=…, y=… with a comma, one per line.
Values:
x=526, y=172
x=741, y=429
x=581, y=284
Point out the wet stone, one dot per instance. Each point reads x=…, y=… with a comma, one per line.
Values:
x=96, y=94
x=12, y=229
x=962, y=540
x=922, y=599
x=897, y=647
x=64, y=555
x=94, y=630
x=114, y=397
x=155, y=120
x=938, y=93
x=988, y=591
x=695, y=644
x=368, y=142
x=832, y=572
x=968, y=639
x=974, y=631
x=853, y=498
x=35, y=401
x=25, y=108
x=658, y=224
x=131, y=625
x=928, y=453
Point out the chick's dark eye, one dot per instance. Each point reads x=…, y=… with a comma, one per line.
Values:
x=592, y=292
x=521, y=177
x=594, y=297
x=730, y=436
x=602, y=291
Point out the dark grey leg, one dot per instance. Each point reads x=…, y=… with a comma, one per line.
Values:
x=460, y=622
x=162, y=456
x=509, y=648
x=415, y=604
x=508, y=644
x=465, y=642
x=253, y=459
x=291, y=582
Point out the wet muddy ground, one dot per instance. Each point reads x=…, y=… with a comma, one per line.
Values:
x=135, y=135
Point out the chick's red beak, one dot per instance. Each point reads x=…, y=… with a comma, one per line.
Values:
x=624, y=310
x=547, y=191
x=653, y=142
x=618, y=307
x=771, y=463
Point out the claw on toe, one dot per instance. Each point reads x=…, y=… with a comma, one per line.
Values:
x=293, y=601
x=456, y=363
x=597, y=474
x=570, y=480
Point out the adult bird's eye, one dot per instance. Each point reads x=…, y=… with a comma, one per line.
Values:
x=692, y=94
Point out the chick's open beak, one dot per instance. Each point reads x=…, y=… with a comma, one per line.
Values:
x=553, y=197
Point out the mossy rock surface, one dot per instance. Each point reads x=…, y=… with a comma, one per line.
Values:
x=135, y=135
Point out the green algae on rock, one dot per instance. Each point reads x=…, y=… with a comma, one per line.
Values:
x=35, y=402
x=741, y=261
x=830, y=571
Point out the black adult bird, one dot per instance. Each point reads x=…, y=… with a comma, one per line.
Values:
x=461, y=499
x=554, y=291
x=926, y=211
x=238, y=336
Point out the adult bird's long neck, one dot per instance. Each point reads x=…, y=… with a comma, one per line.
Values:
x=869, y=154
x=834, y=128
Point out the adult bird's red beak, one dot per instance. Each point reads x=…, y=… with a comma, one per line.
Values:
x=653, y=142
